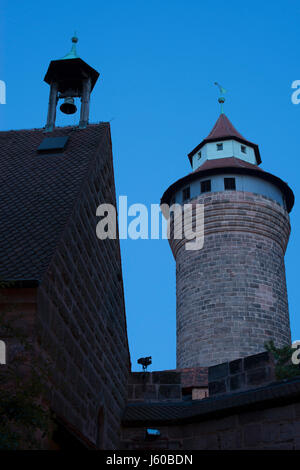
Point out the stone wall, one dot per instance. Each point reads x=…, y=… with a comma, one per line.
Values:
x=168, y=385
x=241, y=374
x=272, y=428
x=81, y=321
x=246, y=409
x=154, y=386
x=18, y=309
x=231, y=294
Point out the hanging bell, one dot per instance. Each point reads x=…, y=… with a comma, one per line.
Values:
x=68, y=106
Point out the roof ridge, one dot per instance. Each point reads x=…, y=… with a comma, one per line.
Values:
x=93, y=124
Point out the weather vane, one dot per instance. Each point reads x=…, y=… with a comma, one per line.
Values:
x=221, y=98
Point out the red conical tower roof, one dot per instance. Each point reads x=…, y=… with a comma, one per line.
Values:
x=224, y=129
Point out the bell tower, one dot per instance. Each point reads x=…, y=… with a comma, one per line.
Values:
x=231, y=293
x=69, y=78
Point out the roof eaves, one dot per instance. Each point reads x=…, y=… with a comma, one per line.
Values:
x=290, y=198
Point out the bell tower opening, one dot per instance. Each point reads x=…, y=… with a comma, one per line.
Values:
x=70, y=78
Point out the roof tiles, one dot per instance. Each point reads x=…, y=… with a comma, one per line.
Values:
x=38, y=192
x=223, y=128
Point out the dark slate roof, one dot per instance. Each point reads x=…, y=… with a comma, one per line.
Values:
x=38, y=191
x=224, y=130
x=275, y=394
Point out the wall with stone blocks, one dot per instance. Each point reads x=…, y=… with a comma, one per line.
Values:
x=231, y=294
x=260, y=425
x=81, y=325
x=241, y=374
x=154, y=386
x=273, y=428
x=18, y=308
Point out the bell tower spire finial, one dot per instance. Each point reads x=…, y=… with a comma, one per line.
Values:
x=221, y=98
x=73, y=53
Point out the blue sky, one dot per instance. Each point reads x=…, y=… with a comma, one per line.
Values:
x=158, y=61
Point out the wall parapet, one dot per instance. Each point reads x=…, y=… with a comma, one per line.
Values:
x=241, y=374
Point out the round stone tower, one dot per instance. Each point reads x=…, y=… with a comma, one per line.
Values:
x=231, y=293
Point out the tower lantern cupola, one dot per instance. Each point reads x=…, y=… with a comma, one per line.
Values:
x=69, y=78
x=224, y=141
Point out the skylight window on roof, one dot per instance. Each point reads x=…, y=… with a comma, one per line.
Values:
x=53, y=144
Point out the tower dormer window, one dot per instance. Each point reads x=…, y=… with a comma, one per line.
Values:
x=243, y=149
x=205, y=186
x=186, y=194
x=229, y=184
x=220, y=146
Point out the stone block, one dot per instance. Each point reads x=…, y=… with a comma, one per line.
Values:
x=252, y=435
x=237, y=382
x=218, y=372
x=188, y=430
x=236, y=367
x=139, y=377
x=270, y=432
x=146, y=392
x=130, y=391
x=217, y=387
x=258, y=376
x=212, y=442
x=175, y=432
x=169, y=392
x=194, y=443
x=174, y=445
x=257, y=360
x=166, y=377
x=286, y=431
x=229, y=440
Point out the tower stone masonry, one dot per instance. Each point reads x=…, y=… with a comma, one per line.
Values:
x=231, y=294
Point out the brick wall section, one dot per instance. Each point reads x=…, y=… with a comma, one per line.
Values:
x=81, y=316
x=195, y=377
x=167, y=385
x=241, y=374
x=18, y=307
x=272, y=428
x=231, y=294
x=154, y=386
